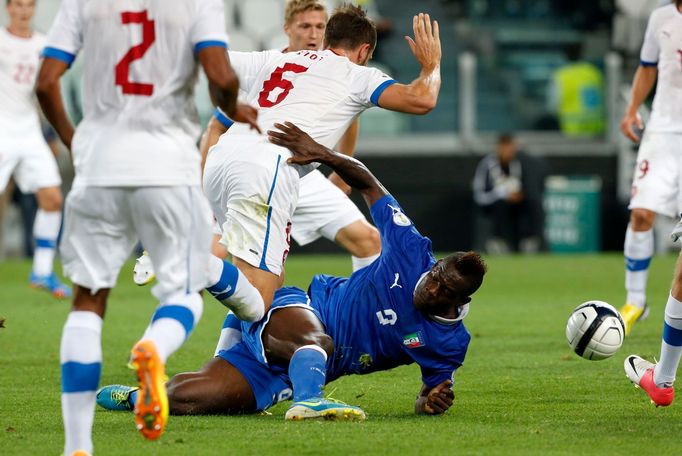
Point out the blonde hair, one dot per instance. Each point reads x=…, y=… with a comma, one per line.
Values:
x=299, y=6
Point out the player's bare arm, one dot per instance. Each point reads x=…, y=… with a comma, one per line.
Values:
x=49, y=95
x=347, y=147
x=643, y=83
x=305, y=150
x=421, y=95
x=435, y=401
x=214, y=130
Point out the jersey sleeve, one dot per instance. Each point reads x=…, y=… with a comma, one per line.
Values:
x=65, y=38
x=368, y=84
x=399, y=237
x=442, y=355
x=208, y=28
x=650, y=48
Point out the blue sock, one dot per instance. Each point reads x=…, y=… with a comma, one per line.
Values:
x=307, y=371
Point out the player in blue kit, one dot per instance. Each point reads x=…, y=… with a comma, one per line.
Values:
x=405, y=307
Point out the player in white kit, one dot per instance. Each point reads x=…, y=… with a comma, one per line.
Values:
x=251, y=188
x=323, y=208
x=23, y=150
x=657, y=184
x=137, y=178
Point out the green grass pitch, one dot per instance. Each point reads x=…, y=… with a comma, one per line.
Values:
x=520, y=391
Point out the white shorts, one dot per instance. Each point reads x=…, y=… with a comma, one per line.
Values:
x=103, y=224
x=252, y=192
x=322, y=210
x=657, y=183
x=32, y=163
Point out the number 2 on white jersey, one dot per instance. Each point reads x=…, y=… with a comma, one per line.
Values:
x=135, y=53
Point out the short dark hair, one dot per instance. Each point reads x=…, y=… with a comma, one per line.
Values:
x=470, y=268
x=349, y=27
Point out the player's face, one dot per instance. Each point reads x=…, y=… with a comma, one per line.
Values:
x=439, y=292
x=306, y=30
x=20, y=12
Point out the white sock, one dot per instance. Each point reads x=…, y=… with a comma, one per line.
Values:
x=639, y=248
x=233, y=289
x=671, y=346
x=359, y=263
x=45, y=231
x=81, y=361
x=173, y=322
x=230, y=335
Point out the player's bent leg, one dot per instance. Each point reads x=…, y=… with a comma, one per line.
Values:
x=638, y=249
x=362, y=241
x=235, y=290
x=45, y=232
x=295, y=337
x=218, y=388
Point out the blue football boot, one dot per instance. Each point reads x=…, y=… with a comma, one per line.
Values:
x=116, y=397
x=51, y=284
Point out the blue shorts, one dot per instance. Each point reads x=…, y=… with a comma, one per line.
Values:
x=270, y=384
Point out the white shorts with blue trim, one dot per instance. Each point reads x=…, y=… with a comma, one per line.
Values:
x=252, y=192
x=31, y=162
x=657, y=183
x=103, y=224
x=322, y=210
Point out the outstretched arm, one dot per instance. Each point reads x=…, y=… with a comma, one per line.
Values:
x=49, y=95
x=305, y=150
x=421, y=95
x=435, y=401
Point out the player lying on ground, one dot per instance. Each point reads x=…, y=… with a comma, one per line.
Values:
x=405, y=307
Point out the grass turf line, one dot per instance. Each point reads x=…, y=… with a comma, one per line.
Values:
x=520, y=391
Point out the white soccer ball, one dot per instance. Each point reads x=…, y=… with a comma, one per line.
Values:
x=595, y=330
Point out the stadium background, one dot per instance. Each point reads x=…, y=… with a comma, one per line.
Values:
x=498, y=58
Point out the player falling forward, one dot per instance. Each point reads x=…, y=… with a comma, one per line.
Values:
x=137, y=175
x=323, y=209
x=23, y=150
x=403, y=308
x=657, y=185
x=252, y=189
x=657, y=379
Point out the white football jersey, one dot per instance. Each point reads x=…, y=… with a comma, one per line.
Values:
x=319, y=91
x=19, y=61
x=140, y=123
x=663, y=47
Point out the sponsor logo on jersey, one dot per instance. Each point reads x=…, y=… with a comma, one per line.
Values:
x=414, y=340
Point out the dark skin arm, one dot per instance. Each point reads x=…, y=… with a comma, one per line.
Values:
x=49, y=94
x=305, y=150
x=434, y=401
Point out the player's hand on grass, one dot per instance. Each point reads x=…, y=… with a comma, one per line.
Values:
x=247, y=114
x=304, y=149
x=437, y=400
x=628, y=124
x=426, y=43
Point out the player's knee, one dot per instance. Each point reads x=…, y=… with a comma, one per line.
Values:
x=319, y=339
x=642, y=219
x=361, y=239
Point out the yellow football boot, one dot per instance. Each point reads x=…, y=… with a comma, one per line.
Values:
x=631, y=313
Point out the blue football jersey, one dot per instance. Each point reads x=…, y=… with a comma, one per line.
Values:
x=371, y=316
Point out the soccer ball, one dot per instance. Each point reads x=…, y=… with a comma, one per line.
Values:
x=595, y=330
